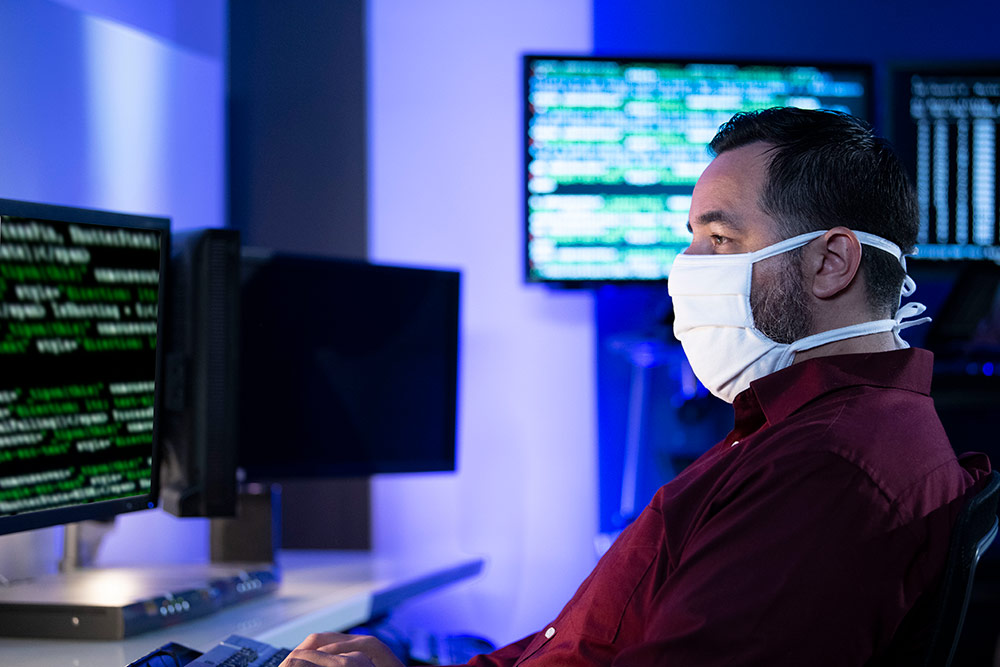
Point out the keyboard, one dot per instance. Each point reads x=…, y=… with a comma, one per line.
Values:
x=233, y=651
x=238, y=651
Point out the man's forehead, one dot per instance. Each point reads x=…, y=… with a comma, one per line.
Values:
x=728, y=192
x=748, y=161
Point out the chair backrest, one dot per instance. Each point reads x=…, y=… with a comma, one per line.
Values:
x=975, y=528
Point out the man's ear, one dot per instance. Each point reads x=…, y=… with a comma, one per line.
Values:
x=835, y=258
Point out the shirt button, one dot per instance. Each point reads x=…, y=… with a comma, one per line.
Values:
x=735, y=443
x=550, y=633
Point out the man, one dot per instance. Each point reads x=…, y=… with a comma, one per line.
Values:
x=816, y=526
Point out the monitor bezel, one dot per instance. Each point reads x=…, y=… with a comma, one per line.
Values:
x=866, y=69
x=106, y=509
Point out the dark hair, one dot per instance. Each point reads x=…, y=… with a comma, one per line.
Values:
x=827, y=169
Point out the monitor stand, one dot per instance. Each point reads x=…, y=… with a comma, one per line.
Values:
x=112, y=603
x=80, y=543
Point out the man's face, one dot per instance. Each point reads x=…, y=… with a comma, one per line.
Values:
x=726, y=218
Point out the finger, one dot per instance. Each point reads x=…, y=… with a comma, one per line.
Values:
x=311, y=658
x=379, y=654
x=318, y=639
x=347, y=643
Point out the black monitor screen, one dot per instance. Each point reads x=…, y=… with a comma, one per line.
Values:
x=614, y=146
x=346, y=368
x=944, y=125
x=79, y=324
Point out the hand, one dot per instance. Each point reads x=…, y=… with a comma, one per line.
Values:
x=333, y=649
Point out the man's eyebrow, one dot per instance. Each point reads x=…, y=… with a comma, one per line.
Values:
x=715, y=216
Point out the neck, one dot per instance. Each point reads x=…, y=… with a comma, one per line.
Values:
x=878, y=342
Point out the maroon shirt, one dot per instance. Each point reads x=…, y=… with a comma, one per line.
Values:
x=802, y=538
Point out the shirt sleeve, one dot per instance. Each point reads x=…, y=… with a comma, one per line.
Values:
x=502, y=657
x=804, y=562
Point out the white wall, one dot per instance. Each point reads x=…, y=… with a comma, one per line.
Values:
x=445, y=170
x=110, y=106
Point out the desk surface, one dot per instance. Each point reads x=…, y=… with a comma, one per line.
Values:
x=320, y=590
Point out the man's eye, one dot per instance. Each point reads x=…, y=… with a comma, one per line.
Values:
x=718, y=240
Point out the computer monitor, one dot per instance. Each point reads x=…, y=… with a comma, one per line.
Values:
x=347, y=368
x=80, y=363
x=201, y=357
x=614, y=145
x=82, y=297
x=944, y=121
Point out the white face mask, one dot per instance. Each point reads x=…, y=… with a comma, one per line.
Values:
x=714, y=322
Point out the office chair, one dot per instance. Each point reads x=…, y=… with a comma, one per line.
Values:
x=975, y=528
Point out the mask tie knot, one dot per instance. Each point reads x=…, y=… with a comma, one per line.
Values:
x=911, y=309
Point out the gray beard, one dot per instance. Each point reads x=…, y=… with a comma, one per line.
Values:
x=779, y=305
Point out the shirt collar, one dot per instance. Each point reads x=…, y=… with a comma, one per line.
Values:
x=769, y=397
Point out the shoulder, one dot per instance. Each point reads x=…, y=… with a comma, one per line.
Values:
x=888, y=443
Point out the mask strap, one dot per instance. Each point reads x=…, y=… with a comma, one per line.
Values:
x=785, y=245
x=882, y=244
x=895, y=325
x=834, y=335
x=909, y=284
